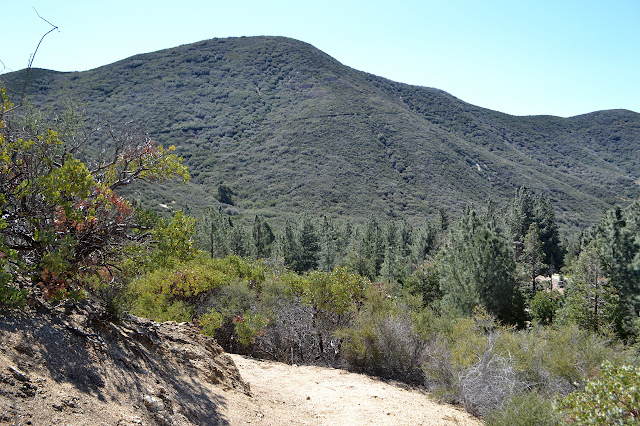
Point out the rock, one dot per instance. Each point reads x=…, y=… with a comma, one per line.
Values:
x=153, y=404
x=19, y=375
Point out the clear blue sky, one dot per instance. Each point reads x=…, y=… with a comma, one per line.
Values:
x=523, y=57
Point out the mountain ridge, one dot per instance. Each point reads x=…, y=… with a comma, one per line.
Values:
x=290, y=128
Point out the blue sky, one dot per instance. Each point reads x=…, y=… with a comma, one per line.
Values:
x=522, y=57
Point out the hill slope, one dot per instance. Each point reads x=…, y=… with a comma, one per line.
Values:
x=289, y=128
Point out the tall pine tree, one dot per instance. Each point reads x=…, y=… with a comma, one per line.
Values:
x=477, y=268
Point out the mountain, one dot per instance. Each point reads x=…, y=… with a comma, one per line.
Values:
x=288, y=128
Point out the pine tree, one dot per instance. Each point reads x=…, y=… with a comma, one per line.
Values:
x=389, y=269
x=477, y=268
x=288, y=245
x=239, y=240
x=329, y=241
x=372, y=246
x=545, y=218
x=532, y=256
x=620, y=254
x=525, y=209
x=263, y=238
x=591, y=300
x=424, y=241
x=519, y=217
x=212, y=231
x=308, y=244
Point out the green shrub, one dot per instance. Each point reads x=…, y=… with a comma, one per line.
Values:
x=210, y=322
x=12, y=297
x=249, y=326
x=613, y=397
x=185, y=282
x=382, y=339
x=524, y=409
x=544, y=306
x=115, y=297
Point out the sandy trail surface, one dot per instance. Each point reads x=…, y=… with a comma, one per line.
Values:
x=308, y=395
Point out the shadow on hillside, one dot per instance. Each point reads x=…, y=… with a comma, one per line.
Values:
x=107, y=364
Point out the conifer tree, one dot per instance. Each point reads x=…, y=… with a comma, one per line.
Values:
x=519, y=217
x=372, y=246
x=424, y=241
x=263, y=238
x=532, y=256
x=329, y=241
x=476, y=268
x=211, y=233
x=390, y=265
x=308, y=245
x=239, y=241
x=525, y=209
x=620, y=255
x=545, y=218
x=288, y=245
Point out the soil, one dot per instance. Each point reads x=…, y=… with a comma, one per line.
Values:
x=68, y=366
x=308, y=395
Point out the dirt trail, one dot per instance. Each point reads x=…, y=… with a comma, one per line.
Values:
x=307, y=395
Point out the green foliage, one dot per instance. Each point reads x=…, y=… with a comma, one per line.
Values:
x=532, y=256
x=225, y=194
x=300, y=244
x=525, y=409
x=425, y=281
x=168, y=290
x=609, y=252
x=526, y=210
x=476, y=268
x=612, y=397
x=591, y=301
x=336, y=292
x=210, y=322
x=263, y=238
x=382, y=340
x=174, y=240
x=341, y=141
x=12, y=297
x=62, y=222
x=544, y=305
x=248, y=326
x=115, y=297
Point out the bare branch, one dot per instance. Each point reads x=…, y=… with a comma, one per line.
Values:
x=31, y=58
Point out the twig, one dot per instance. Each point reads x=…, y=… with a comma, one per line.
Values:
x=31, y=58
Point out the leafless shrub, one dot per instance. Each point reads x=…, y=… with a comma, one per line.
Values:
x=290, y=336
x=488, y=383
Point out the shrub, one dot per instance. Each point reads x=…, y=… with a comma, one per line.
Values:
x=210, y=322
x=524, y=409
x=544, y=306
x=12, y=297
x=613, y=397
x=115, y=297
x=382, y=340
x=249, y=326
x=489, y=382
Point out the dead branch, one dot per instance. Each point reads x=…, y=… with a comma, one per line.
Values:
x=31, y=58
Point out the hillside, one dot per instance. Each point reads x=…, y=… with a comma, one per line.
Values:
x=289, y=128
